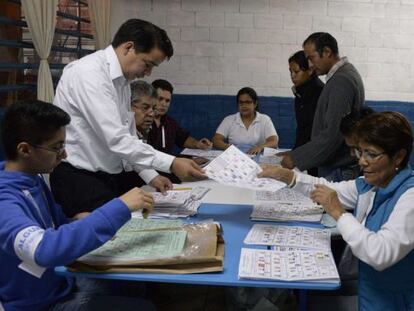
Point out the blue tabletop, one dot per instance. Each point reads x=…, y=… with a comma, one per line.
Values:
x=235, y=225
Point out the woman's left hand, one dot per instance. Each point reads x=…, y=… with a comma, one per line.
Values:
x=328, y=198
x=255, y=150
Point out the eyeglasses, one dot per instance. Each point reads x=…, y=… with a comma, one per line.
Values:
x=144, y=108
x=58, y=150
x=369, y=156
x=245, y=102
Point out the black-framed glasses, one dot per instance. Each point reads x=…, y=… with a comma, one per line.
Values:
x=144, y=108
x=245, y=102
x=369, y=156
x=58, y=150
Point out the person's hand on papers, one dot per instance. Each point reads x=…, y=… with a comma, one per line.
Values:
x=255, y=150
x=287, y=161
x=137, y=199
x=161, y=183
x=204, y=144
x=328, y=198
x=187, y=170
x=276, y=172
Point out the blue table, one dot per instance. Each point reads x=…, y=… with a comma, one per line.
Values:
x=236, y=224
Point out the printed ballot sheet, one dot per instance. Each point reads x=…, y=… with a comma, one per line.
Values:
x=234, y=168
x=290, y=265
x=130, y=246
x=135, y=224
x=285, y=195
x=285, y=205
x=172, y=198
x=175, y=204
x=289, y=236
x=286, y=212
x=207, y=154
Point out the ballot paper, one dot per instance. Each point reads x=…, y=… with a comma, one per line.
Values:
x=135, y=224
x=289, y=236
x=175, y=204
x=129, y=246
x=290, y=265
x=207, y=154
x=234, y=168
x=286, y=212
x=171, y=198
x=285, y=195
x=285, y=205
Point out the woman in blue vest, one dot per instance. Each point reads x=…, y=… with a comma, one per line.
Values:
x=380, y=231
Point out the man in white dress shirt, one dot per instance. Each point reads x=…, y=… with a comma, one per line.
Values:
x=101, y=139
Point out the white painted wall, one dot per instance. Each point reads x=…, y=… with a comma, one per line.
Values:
x=223, y=45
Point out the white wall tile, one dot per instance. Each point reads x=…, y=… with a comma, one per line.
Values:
x=223, y=45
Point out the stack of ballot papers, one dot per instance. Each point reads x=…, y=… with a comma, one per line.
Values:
x=234, y=168
x=165, y=246
x=176, y=203
x=298, y=254
x=207, y=154
x=289, y=236
x=285, y=205
x=269, y=156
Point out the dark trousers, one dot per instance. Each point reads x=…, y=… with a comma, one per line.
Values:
x=78, y=190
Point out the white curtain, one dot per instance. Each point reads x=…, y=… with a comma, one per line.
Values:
x=100, y=12
x=41, y=20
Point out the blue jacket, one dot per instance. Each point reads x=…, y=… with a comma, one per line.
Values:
x=34, y=233
x=399, y=278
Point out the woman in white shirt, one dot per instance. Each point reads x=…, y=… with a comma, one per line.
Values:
x=380, y=232
x=248, y=127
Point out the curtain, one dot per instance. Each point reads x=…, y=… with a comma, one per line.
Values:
x=41, y=20
x=100, y=12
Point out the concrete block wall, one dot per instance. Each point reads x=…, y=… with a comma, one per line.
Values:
x=223, y=45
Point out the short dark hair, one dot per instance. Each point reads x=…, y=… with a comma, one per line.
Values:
x=322, y=40
x=388, y=130
x=145, y=36
x=163, y=85
x=31, y=121
x=300, y=58
x=349, y=122
x=251, y=92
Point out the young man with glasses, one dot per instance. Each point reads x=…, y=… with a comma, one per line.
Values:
x=35, y=236
x=102, y=141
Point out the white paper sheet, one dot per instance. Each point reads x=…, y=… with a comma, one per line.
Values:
x=286, y=212
x=234, y=168
x=289, y=236
x=295, y=265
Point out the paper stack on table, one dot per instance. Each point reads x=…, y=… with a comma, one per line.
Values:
x=269, y=156
x=207, y=154
x=285, y=205
x=299, y=254
x=289, y=236
x=176, y=204
x=292, y=265
x=159, y=246
x=234, y=168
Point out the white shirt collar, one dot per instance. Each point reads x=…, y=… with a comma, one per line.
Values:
x=335, y=67
x=115, y=69
x=256, y=119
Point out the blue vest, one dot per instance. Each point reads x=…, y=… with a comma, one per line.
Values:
x=400, y=276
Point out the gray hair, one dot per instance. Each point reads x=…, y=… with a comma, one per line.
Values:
x=142, y=88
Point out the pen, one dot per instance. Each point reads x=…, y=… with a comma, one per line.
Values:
x=182, y=188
